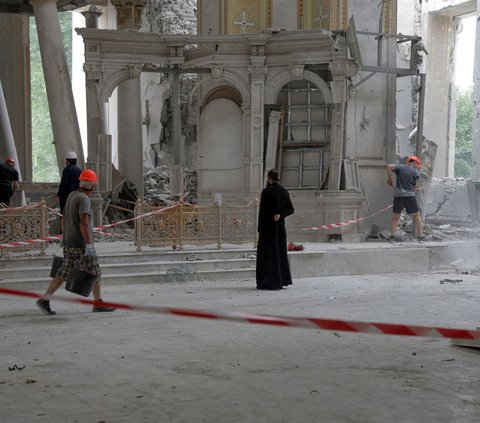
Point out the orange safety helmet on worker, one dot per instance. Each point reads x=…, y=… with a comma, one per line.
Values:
x=88, y=175
x=414, y=159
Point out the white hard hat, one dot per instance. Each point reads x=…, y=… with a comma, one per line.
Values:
x=71, y=155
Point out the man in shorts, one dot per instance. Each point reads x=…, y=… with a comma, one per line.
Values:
x=78, y=248
x=404, y=197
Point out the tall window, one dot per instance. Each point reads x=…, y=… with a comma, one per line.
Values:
x=305, y=140
x=44, y=160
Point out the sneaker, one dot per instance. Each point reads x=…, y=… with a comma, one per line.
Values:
x=395, y=238
x=102, y=309
x=44, y=306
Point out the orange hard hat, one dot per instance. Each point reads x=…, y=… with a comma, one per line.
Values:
x=414, y=159
x=10, y=160
x=88, y=175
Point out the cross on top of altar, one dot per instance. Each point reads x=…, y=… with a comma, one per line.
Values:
x=243, y=22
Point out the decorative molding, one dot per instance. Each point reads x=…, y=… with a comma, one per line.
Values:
x=246, y=16
x=257, y=73
x=275, y=84
x=217, y=72
x=257, y=121
x=93, y=72
x=296, y=71
x=129, y=13
x=135, y=70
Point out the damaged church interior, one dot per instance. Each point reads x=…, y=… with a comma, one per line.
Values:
x=215, y=93
x=181, y=108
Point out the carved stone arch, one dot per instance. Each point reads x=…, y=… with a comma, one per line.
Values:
x=274, y=86
x=239, y=83
x=112, y=81
x=232, y=79
x=228, y=92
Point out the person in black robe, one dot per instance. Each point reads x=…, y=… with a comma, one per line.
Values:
x=273, y=270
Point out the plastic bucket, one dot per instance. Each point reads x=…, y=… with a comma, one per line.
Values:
x=80, y=282
x=56, y=264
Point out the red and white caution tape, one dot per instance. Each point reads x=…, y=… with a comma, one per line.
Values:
x=31, y=241
x=140, y=216
x=97, y=229
x=345, y=223
x=292, y=322
x=30, y=206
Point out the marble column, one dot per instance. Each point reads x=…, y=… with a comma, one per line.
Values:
x=130, y=141
x=66, y=132
x=7, y=146
x=15, y=77
x=253, y=166
x=274, y=120
x=7, y=143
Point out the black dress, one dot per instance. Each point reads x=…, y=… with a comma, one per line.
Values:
x=273, y=270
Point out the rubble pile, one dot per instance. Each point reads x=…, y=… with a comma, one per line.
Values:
x=190, y=184
x=156, y=183
x=157, y=186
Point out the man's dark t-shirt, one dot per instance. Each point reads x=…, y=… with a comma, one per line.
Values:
x=8, y=174
x=68, y=184
x=407, y=178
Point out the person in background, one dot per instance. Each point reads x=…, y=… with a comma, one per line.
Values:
x=404, y=196
x=273, y=270
x=8, y=180
x=78, y=248
x=69, y=181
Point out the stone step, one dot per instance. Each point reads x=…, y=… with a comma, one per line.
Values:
x=317, y=260
x=131, y=257
x=132, y=266
x=164, y=276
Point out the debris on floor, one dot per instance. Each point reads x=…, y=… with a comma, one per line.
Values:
x=453, y=281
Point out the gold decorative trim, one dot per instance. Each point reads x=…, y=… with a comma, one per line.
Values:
x=246, y=16
x=268, y=13
x=195, y=225
x=390, y=16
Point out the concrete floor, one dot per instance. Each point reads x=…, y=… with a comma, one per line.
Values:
x=138, y=367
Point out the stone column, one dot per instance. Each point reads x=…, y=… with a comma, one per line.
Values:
x=66, y=132
x=176, y=177
x=98, y=142
x=130, y=141
x=15, y=77
x=476, y=102
x=254, y=161
x=253, y=166
x=7, y=145
x=337, y=146
x=272, y=142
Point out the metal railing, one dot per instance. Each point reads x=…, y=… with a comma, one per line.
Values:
x=23, y=225
x=187, y=224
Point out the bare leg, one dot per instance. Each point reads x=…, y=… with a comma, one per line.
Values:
x=395, y=221
x=97, y=291
x=55, y=283
x=417, y=220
